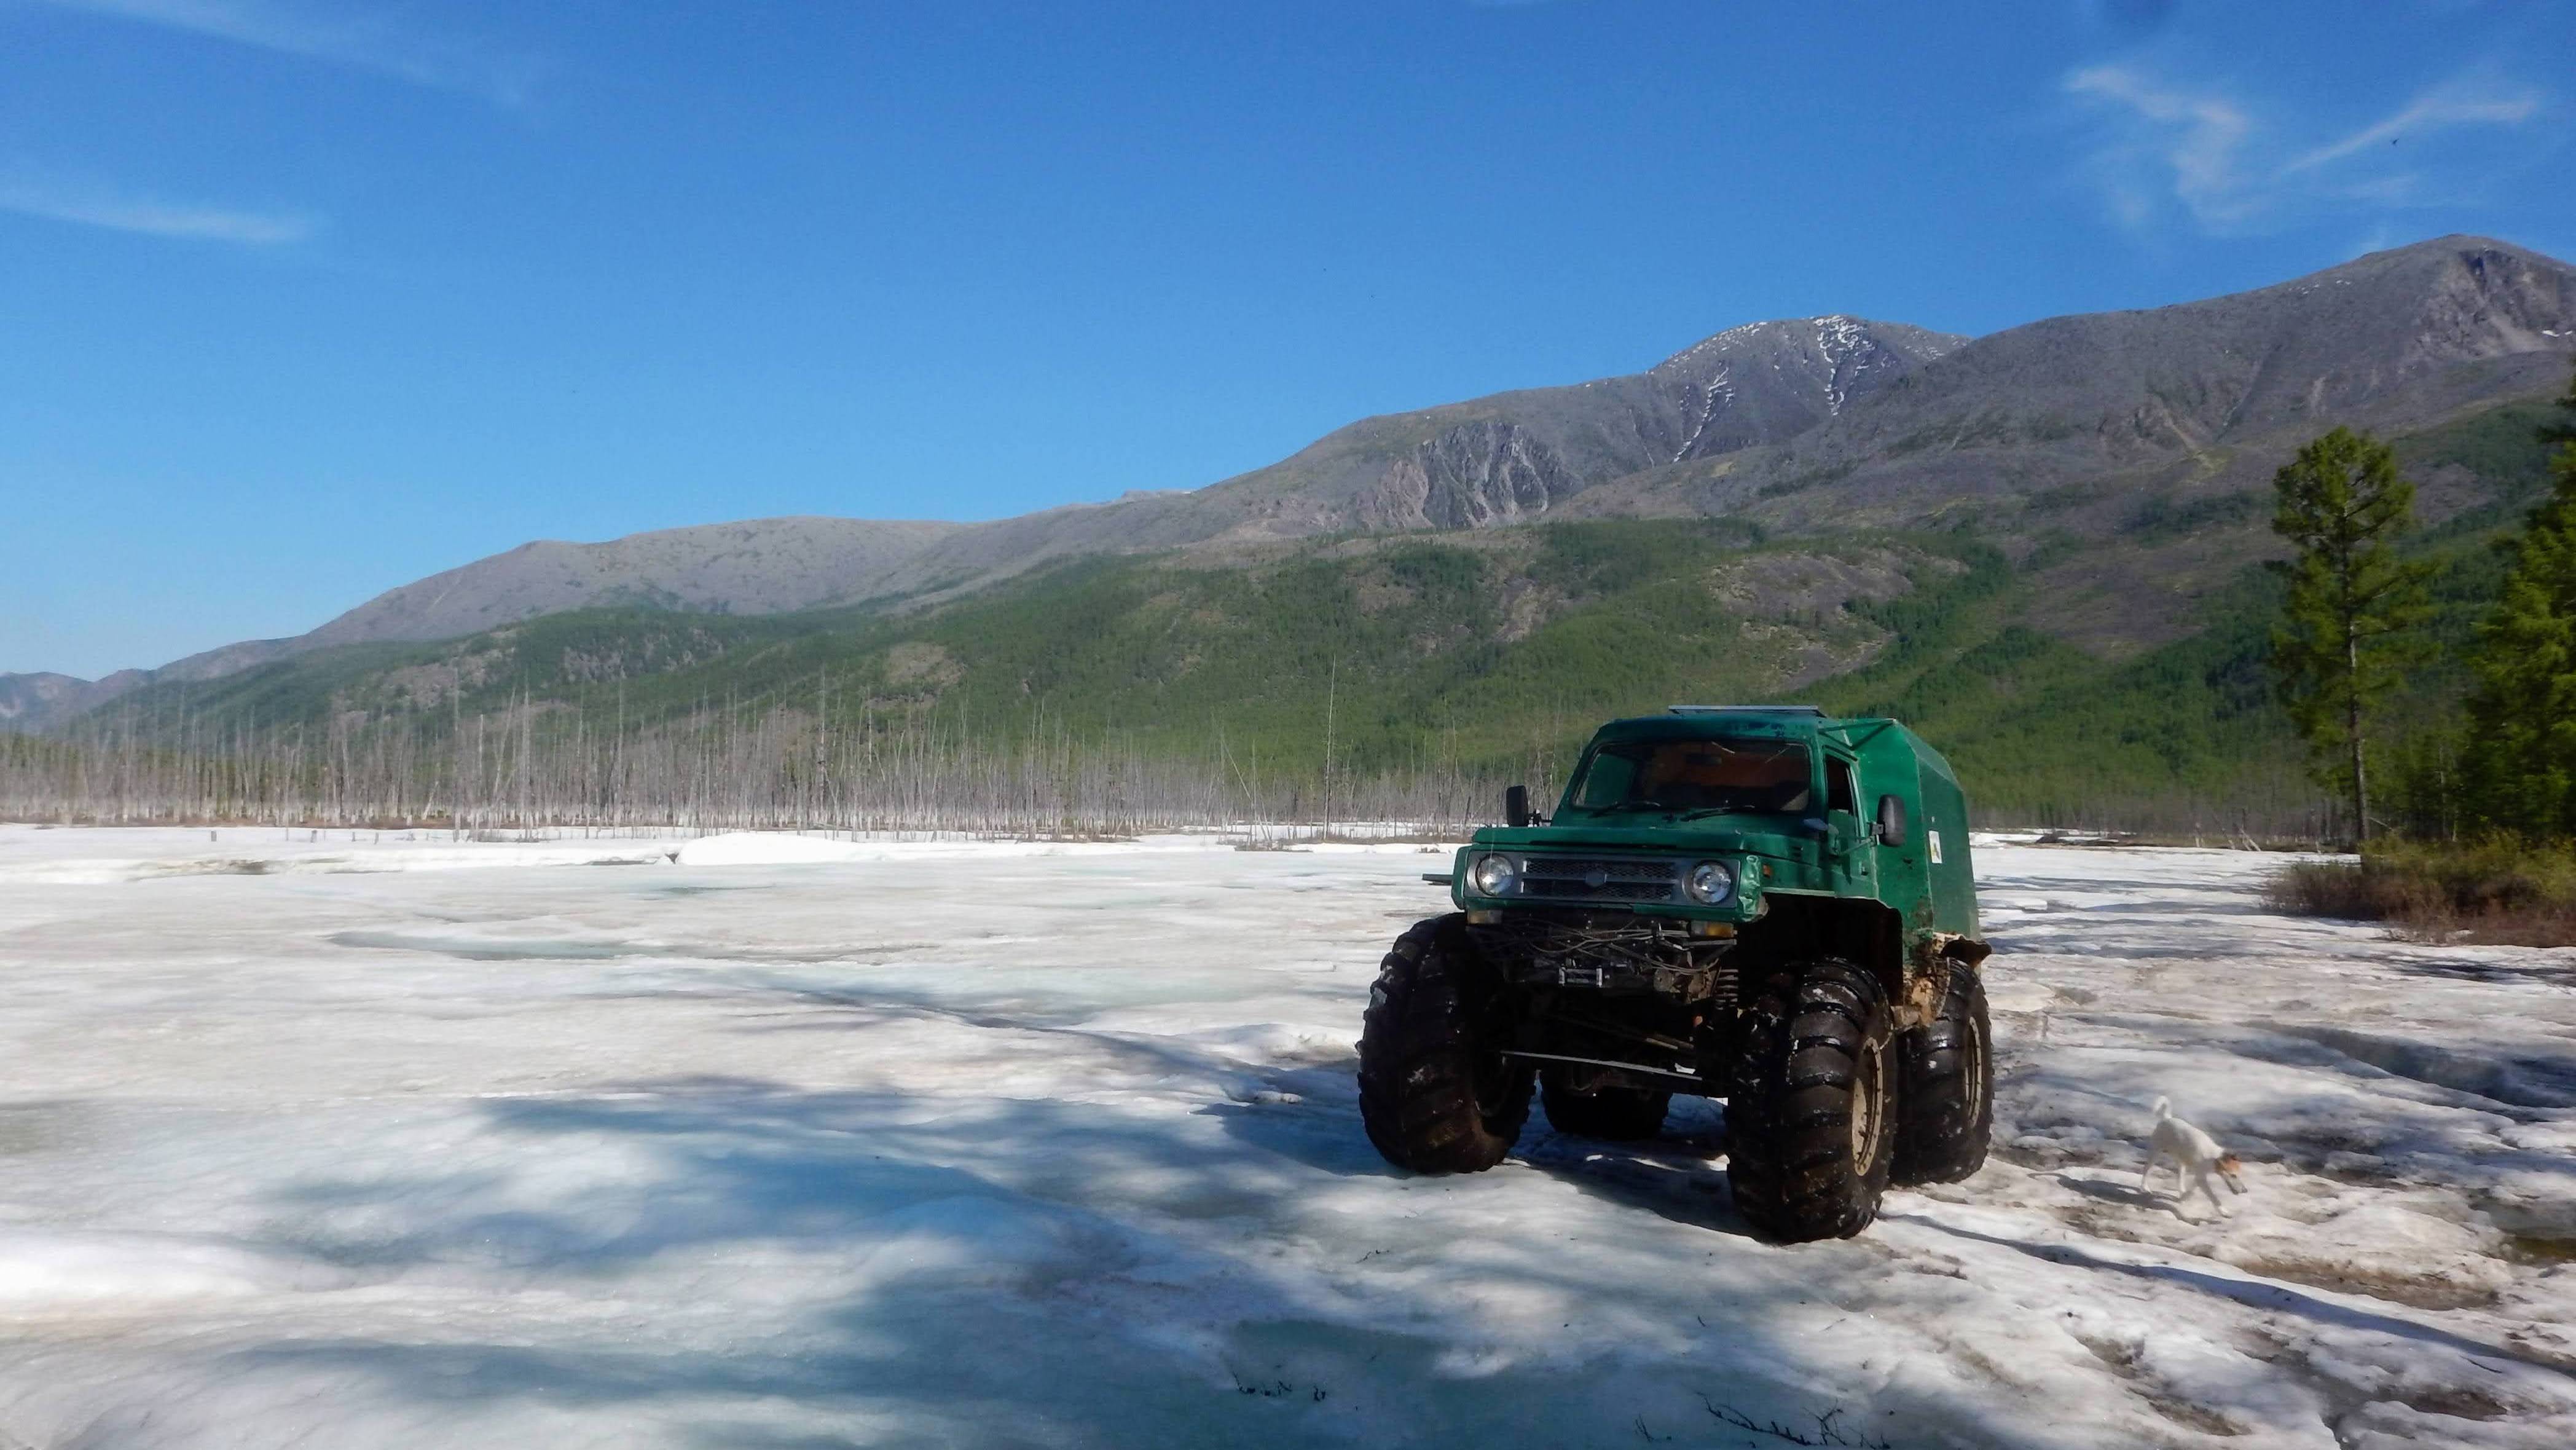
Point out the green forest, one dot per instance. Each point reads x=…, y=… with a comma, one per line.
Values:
x=1487, y=655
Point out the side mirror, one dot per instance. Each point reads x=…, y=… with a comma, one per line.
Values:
x=1516, y=811
x=1891, y=821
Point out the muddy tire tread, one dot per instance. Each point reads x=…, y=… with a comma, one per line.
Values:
x=1417, y=1074
x=1788, y=1111
x=1941, y=1135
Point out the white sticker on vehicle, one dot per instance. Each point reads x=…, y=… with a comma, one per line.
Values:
x=1936, y=846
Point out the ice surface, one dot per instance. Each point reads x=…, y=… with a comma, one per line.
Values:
x=330, y=1141
x=765, y=848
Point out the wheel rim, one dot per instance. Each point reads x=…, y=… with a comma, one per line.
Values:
x=1867, y=1123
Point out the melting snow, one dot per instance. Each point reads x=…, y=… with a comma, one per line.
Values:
x=1715, y=397
x=1847, y=352
x=1055, y=1145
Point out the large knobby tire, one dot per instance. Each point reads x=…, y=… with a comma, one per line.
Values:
x=1946, y=1107
x=1810, y=1119
x=1436, y=1093
x=1619, y=1115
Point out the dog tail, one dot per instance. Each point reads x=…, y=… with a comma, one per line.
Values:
x=2164, y=1109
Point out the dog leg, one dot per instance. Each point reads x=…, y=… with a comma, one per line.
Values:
x=2209, y=1190
x=2182, y=1191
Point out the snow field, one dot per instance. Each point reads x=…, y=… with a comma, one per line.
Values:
x=352, y=1143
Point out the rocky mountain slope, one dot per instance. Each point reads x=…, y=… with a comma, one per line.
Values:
x=2392, y=342
x=2070, y=430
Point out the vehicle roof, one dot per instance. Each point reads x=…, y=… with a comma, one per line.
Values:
x=1798, y=722
x=1864, y=733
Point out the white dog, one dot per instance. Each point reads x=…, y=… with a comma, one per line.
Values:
x=2197, y=1159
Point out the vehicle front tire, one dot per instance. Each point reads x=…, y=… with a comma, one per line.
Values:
x=1947, y=1108
x=1436, y=1093
x=1615, y=1114
x=1811, y=1114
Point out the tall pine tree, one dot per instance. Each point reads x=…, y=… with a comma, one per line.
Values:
x=2349, y=626
x=2522, y=720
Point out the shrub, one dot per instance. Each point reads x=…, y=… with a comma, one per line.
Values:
x=2496, y=891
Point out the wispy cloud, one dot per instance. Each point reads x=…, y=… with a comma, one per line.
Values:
x=94, y=206
x=345, y=36
x=2230, y=167
x=2444, y=108
x=2191, y=145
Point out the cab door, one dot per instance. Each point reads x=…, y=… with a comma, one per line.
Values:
x=1847, y=834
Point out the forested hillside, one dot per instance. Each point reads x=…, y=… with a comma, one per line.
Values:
x=1477, y=654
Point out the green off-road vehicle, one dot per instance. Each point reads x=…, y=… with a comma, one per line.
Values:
x=1709, y=911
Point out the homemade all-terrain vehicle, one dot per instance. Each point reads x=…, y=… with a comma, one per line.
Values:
x=1707, y=912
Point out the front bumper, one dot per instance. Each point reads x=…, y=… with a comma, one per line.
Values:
x=1608, y=952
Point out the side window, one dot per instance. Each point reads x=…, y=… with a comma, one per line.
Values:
x=1839, y=793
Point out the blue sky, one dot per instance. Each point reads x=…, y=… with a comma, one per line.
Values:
x=301, y=300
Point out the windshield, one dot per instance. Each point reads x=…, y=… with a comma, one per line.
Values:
x=1695, y=775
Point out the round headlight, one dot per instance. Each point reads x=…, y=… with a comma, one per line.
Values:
x=1492, y=875
x=1709, y=883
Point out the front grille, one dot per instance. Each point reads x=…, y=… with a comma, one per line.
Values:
x=1602, y=878
x=1607, y=952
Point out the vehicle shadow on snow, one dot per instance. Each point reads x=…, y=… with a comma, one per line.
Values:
x=1678, y=1174
x=991, y=1274
x=864, y=1266
x=1674, y=1176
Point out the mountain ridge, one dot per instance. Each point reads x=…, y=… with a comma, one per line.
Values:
x=1477, y=651
x=1798, y=424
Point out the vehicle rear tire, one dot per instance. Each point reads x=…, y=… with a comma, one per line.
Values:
x=1616, y=1114
x=1946, y=1111
x=1436, y=1093
x=1811, y=1113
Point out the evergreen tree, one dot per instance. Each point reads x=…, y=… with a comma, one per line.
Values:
x=2348, y=625
x=2523, y=716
